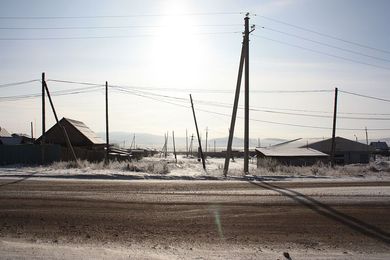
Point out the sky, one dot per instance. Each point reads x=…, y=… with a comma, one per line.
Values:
x=153, y=54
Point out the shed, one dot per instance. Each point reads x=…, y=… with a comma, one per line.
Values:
x=79, y=134
x=346, y=151
x=291, y=155
x=380, y=148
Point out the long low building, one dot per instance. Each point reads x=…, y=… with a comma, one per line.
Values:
x=346, y=151
x=291, y=155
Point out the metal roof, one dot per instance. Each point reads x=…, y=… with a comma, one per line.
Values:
x=84, y=130
x=290, y=152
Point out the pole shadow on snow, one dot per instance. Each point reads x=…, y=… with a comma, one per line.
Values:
x=329, y=212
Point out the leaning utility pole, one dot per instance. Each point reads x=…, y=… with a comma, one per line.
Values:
x=67, y=140
x=246, y=126
x=197, y=132
x=107, y=133
x=333, y=148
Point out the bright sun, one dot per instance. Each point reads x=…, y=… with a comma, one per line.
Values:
x=178, y=50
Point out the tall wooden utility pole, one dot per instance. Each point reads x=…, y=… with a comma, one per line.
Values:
x=174, y=146
x=32, y=131
x=366, y=135
x=333, y=148
x=43, y=118
x=197, y=132
x=107, y=132
x=191, y=144
x=246, y=117
x=207, y=135
x=244, y=57
x=186, y=143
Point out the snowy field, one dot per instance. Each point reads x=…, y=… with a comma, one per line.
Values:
x=190, y=169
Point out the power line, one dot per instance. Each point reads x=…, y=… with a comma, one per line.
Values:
x=54, y=93
x=5, y=85
x=137, y=88
x=112, y=27
x=108, y=37
x=114, y=16
x=75, y=82
x=133, y=87
x=323, y=53
x=325, y=44
x=97, y=87
x=264, y=121
x=365, y=96
x=324, y=34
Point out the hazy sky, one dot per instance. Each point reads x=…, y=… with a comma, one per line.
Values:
x=168, y=50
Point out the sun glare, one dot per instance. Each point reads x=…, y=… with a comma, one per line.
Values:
x=177, y=51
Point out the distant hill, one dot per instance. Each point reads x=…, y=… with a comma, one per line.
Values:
x=157, y=141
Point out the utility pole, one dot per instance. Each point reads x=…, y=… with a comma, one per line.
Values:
x=107, y=132
x=174, y=146
x=214, y=147
x=207, y=134
x=246, y=126
x=197, y=132
x=333, y=148
x=191, y=145
x=366, y=135
x=186, y=143
x=43, y=118
x=32, y=131
x=244, y=58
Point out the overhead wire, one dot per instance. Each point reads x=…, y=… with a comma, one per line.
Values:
x=112, y=27
x=109, y=36
x=95, y=87
x=258, y=120
x=323, y=53
x=324, y=34
x=6, y=85
x=365, y=96
x=137, y=88
x=114, y=16
x=325, y=44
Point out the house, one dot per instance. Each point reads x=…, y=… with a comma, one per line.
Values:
x=79, y=135
x=346, y=151
x=7, y=139
x=23, y=138
x=291, y=155
x=380, y=148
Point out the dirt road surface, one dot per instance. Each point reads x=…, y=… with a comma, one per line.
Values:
x=193, y=219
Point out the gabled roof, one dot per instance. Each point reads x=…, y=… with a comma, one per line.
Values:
x=86, y=131
x=4, y=132
x=290, y=152
x=79, y=134
x=380, y=145
x=342, y=145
